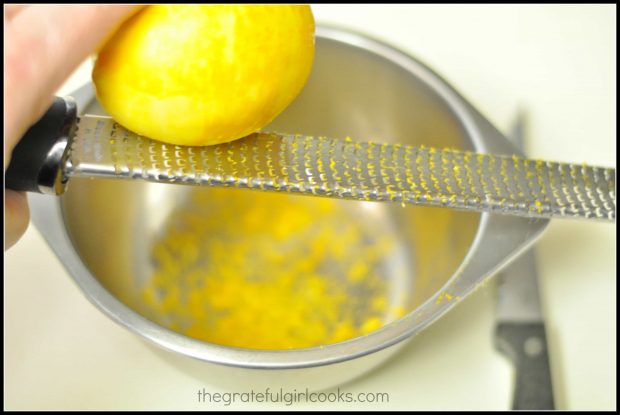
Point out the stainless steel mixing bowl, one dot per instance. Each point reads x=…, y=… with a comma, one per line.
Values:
x=103, y=230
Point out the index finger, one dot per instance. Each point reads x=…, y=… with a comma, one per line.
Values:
x=43, y=45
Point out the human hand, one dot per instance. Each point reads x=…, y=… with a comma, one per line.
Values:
x=43, y=44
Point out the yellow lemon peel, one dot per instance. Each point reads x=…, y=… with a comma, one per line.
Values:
x=289, y=272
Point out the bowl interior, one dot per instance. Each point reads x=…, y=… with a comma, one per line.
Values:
x=153, y=245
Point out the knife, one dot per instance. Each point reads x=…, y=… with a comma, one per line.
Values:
x=520, y=330
x=61, y=146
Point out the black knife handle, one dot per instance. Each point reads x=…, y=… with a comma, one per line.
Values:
x=526, y=345
x=37, y=162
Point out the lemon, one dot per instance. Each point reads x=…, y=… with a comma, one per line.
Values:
x=204, y=74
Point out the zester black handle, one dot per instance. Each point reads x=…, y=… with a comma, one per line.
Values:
x=525, y=343
x=38, y=159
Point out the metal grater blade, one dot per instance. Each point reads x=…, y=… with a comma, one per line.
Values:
x=352, y=170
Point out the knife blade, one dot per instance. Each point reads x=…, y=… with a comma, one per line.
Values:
x=61, y=146
x=520, y=329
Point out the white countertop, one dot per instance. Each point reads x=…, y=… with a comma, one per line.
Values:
x=557, y=62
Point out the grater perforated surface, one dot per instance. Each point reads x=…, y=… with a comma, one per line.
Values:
x=353, y=170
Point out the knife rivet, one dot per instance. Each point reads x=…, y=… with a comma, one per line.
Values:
x=533, y=346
